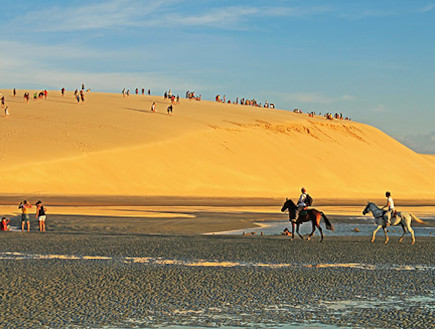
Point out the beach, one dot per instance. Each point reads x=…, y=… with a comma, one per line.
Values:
x=137, y=280
x=158, y=220
x=94, y=269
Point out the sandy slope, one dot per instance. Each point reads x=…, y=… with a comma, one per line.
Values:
x=116, y=146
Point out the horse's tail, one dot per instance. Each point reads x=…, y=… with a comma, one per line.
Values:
x=327, y=222
x=418, y=220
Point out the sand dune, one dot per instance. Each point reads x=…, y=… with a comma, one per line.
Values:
x=115, y=146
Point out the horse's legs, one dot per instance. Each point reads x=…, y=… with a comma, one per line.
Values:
x=404, y=232
x=321, y=232
x=293, y=231
x=385, y=233
x=374, y=233
x=312, y=231
x=408, y=225
x=297, y=230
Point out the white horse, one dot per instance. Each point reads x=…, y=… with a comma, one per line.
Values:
x=402, y=218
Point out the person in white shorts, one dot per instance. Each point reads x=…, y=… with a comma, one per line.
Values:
x=40, y=215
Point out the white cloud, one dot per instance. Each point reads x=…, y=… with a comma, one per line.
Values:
x=159, y=13
x=315, y=98
x=421, y=143
x=427, y=8
x=109, y=14
x=380, y=108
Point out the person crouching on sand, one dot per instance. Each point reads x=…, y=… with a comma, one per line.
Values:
x=4, y=224
x=40, y=215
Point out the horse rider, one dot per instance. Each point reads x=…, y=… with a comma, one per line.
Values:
x=301, y=202
x=391, y=211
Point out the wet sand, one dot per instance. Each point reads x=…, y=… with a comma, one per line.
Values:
x=122, y=266
x=138, y=280
x=185, y=216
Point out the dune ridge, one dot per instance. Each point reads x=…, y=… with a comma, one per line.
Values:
x=112, y=145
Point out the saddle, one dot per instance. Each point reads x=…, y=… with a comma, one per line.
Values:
x=303, y=212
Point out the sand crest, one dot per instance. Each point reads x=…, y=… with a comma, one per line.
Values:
x=112, y=145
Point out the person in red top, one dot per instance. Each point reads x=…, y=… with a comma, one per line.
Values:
x=4, y=224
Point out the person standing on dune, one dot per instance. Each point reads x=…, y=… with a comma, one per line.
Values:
x=153, y=107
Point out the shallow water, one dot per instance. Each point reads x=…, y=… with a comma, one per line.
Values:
x=159, y=261
x=335, y=309
x=340, y=229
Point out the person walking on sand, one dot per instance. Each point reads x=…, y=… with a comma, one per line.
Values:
x=153, y=107
x=24, y=206
x=170, y=109
x=40, y=215
x=391, y=211
x=6, y=111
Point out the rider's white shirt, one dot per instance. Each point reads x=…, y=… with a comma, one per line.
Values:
x=301, y=201
x=390, y=200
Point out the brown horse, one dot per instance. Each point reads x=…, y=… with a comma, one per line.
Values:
x=312, y=215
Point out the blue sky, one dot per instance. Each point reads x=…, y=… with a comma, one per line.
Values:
x=370, y=60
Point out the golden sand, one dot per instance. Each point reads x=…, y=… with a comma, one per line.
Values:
x=112, y=145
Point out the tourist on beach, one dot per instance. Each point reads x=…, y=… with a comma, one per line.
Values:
x=4, y=224
x=3, y=101
x=40, y=215
x=82, y=95
x=63, y=91
x=149, y=92
x=14, y=92
x=153, y=107
x=24, y=206
x=391, y=211
x=143, y=91
x=6, y=111
x=170, y=109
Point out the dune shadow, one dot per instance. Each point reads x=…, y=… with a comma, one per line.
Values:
x=144, y=111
